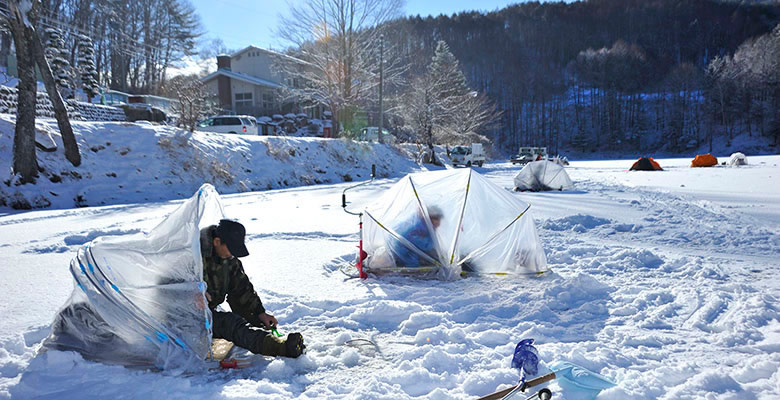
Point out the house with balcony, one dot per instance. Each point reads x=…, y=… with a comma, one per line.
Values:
x=245, y=83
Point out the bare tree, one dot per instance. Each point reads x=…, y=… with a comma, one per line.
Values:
x=29, y=51
x=335, y=59
x=193, y=103
x=475, y=112
x=417, y=108
x=60, y=112
x=25, y=162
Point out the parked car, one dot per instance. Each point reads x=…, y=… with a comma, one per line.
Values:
x=251, y=119
x=468, y=156
x=524, y=156
x=236, y=124
x=528, y=154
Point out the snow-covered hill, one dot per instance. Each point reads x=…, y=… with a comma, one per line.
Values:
x=126, y=162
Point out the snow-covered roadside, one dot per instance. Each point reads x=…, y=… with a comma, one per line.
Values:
x=126, y=162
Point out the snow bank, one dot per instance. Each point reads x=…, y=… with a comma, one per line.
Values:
x=134, y=162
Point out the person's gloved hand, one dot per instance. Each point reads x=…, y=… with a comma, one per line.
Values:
x=268, y=320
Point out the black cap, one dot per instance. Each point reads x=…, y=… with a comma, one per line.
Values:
x=232, y=234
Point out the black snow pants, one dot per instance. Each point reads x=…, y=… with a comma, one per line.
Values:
x=233, y=327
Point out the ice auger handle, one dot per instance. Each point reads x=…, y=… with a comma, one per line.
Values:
x=538, y=381
x=344, y=193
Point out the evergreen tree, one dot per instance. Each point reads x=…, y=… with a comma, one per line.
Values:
x=460, y=111
x=448, y=80
x=440, y=107
x=86, y=64
x=57, y=56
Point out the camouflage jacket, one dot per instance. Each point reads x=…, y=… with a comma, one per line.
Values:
x=226, y=277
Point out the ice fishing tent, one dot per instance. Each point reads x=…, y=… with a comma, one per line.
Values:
x=482, y=227
x=737, y=159
x=542, y=175
x=646, y=164
x=704, y=160
x=139, y=299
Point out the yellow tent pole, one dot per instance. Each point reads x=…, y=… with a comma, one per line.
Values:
x=495, y=235
x=460, y=220
x=404, y=241
x=427, y=219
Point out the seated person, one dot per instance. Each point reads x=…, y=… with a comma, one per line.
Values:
x=416, y=232
x=221, y=245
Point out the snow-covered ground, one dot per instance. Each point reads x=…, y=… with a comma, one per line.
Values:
x=664, y=281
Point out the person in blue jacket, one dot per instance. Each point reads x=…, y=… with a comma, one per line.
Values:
x=416, y=232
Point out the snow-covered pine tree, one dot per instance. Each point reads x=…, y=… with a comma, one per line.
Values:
x=86, y=67
x=460, y=112
x=57, y=56
x=448, y=80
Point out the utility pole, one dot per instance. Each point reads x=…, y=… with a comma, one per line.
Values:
x=381, y=70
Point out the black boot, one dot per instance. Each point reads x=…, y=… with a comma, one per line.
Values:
x=294, y=345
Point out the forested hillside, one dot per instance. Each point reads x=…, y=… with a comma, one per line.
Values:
x=621, y=75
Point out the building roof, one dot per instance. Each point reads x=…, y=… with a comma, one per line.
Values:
x=274, y=53
x=242, y=77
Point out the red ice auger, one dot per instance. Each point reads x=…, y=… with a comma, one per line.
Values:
x=363, y=254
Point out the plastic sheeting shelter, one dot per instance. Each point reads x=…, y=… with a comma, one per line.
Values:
x=542, y=175
x=483, y=228
x=704, y=160
x=737, y=159
x=139, y=299
x=645, y=164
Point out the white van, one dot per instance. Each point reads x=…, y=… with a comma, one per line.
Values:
x=468, y=156
x=236, y=124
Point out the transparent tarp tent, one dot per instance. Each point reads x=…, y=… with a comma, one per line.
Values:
x=483, y=228
x=139, y=299
x=543, y=175
x=737, y=159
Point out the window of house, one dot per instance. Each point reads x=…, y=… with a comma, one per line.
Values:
x=268, y=101
x=244, y=99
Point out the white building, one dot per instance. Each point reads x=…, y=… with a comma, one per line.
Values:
x=245, y=83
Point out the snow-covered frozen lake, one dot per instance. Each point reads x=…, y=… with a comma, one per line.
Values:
x=664, y=281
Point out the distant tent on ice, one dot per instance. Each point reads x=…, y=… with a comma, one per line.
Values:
x=737, y=159
x=139, y=299
x=542, y=175
x=704, y=160
x=450, y=221
x=646, y=164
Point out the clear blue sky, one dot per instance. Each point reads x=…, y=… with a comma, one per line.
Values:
x=240, y=23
